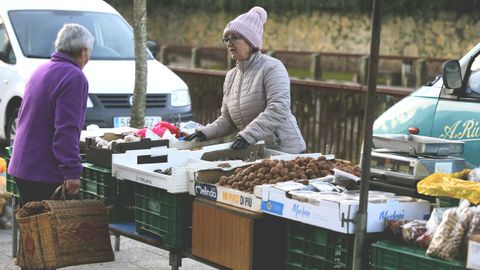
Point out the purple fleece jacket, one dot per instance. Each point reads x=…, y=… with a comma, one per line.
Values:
x=50, y=120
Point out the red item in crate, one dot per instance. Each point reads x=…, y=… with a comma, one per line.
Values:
x=160, y=129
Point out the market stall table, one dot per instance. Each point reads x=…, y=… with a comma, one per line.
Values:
x=237, y=238
x=175, y=255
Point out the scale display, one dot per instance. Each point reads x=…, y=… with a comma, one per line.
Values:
x=392, y=165
x=406, y=159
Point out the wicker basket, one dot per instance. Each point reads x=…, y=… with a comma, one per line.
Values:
x=55, y=234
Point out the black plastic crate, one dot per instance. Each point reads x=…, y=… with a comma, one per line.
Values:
x=315, y=248
x=103, y=157
x=387, y=255
x=163, y=214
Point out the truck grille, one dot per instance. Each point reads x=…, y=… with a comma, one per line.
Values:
x=123, y=100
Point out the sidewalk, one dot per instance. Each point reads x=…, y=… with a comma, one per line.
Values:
x=133, y=255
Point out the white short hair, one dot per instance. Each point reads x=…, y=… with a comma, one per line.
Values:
x=72, y=38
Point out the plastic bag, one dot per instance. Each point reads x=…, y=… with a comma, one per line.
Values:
x=424, y=240
x=395, y=226
x=441, y=184
x=432, y=224
x=474, y=228
x=411, y=231
x=159, y=129
x=474, y=175
x=345, y=179
x=448, y=237
x=435, y=218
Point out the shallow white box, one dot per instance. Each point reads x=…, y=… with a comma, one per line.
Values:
x=340, y=215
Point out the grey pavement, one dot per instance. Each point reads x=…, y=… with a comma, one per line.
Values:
x=132, y=255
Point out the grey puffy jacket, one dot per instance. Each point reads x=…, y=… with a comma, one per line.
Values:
x=256, y=102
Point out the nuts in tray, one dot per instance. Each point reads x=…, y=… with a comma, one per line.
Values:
x=224, y=165
x=274, y=171
x=167, y=171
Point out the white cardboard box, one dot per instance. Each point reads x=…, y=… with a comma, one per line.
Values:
x=209, y=190
x=128, y=166
x=473, y=257
x=340, y=215
x=203, y=179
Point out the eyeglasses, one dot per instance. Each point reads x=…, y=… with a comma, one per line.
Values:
x=232, y=39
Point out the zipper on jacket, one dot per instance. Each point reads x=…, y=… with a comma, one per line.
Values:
x=239, y=95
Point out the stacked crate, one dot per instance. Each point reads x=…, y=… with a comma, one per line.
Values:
x=11, y=185
x=389, y=255
x=98, y=183
x=314, y=248
x=166, y=215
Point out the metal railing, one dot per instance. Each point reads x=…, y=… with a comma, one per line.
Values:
x=327, y=113
x=321, y=66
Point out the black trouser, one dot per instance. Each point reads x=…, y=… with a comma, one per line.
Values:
x=34, y=191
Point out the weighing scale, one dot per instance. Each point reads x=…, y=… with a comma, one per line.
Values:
x=404, y=160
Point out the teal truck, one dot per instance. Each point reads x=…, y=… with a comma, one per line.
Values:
x=447, y=108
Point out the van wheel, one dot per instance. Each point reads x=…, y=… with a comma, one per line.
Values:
x=12, y=127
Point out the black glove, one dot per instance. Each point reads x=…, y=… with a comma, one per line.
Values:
x=240, y=143
x=198, y=134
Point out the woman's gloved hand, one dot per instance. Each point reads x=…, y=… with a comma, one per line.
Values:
x=198, y=134
x=240, y=143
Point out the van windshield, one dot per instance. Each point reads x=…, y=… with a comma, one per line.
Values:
x=36, y=32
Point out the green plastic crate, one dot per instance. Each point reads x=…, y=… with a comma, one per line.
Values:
x=447, y=202
x=8, y=151
x=98, y=183
x=315, y=248
x=387, y=255
x=163, y=214
x=12, y=187
x=99, y=177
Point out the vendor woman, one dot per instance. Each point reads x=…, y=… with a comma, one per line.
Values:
x=256, y=92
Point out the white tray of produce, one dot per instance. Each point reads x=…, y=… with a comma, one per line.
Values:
x=125, y=166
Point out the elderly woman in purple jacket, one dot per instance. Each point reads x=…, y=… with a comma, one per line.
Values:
x=46, y=146
x=256, y=92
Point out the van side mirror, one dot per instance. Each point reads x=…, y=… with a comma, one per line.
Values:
x=452, y=74
x=153, y=47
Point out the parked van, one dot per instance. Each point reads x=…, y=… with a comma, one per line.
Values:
x=28, y=30
x=447, y=108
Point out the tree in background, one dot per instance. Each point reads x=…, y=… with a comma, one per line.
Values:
x=140, y=89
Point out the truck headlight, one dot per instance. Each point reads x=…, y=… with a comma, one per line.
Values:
x=180, y=98
x=89, y=103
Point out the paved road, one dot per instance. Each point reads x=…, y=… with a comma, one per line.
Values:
x=133, y=255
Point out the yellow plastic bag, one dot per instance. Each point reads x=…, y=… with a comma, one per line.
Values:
x=450, y=185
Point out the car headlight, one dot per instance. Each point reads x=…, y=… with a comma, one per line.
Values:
x=89, y=103
x=180, y=98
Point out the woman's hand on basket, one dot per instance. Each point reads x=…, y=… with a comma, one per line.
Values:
x=72, y=187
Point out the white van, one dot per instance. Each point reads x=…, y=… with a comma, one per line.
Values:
x=28, y=30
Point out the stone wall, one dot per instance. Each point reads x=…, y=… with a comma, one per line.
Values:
x=442, y=34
